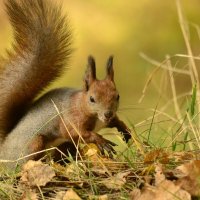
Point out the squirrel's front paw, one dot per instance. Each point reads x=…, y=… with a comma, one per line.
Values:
x=127, y=135
x=102, y=143
x=107, y=145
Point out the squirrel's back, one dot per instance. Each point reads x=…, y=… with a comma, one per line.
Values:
x=40, y=51
x=42, y=118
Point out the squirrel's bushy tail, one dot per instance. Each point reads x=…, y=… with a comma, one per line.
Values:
x=40, y=51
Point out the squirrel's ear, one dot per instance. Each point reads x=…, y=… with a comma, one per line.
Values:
x=90, y=74
x=109, y=69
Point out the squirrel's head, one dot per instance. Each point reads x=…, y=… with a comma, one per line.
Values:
x=102, y=97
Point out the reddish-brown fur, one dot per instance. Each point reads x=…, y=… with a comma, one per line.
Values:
x=84, y=117
x=37, y=144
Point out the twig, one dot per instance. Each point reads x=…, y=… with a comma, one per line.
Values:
x=162, y=64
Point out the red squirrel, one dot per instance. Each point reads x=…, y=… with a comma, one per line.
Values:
x=41, y=52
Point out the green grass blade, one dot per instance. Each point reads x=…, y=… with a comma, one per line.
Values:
x=193, y=100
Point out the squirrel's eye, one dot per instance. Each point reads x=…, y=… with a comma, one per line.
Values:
x=92, y=99
x=118, y=97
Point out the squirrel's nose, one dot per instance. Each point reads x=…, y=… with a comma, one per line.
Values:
x=108, y=114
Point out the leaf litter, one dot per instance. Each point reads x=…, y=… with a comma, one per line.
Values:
x=158, y=174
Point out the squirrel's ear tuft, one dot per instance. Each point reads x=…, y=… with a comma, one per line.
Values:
x=90, y=74
x=109, y=68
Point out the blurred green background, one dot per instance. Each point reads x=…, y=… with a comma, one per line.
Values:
x=124, y=29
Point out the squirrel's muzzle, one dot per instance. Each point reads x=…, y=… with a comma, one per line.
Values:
x=108, y=114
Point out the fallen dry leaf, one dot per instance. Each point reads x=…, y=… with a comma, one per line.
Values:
x=101, y=165
x=116, y=182
x=190, y=169
x=170, y=190
x=59, y=195
x=90, y=150
x=189, y=177
x=135, y=194
x=182, y=156
x=68, y=195
x=166, y=190
x=157, y=155
x=145, y=194
x=29, y=195
x=36, y=173
x=159, y=176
